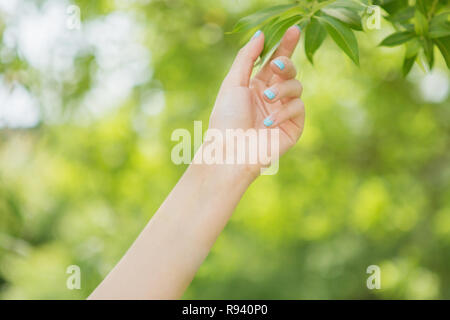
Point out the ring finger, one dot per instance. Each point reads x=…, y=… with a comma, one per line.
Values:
x=288, y=89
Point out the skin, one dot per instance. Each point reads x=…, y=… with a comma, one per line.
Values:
x=165, y=257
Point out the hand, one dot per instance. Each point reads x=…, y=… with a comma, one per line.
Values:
x=271, y=99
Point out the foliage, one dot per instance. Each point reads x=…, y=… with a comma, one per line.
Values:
x=420, y=25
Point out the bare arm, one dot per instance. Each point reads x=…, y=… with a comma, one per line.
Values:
x=163, y=260
x=165, y=257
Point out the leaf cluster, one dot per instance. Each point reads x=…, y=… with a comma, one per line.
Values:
x=420, y=25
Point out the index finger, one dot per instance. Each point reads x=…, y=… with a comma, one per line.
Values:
x=286, y=48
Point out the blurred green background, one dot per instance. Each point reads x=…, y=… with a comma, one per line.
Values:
x=86, y=117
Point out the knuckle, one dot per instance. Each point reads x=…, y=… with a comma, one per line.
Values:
x=242, y=52
x=302, y=108
x=300, y=87
x=293, y=69
x=299, y=104
x=297, y=87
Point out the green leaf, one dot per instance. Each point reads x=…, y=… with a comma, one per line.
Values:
x=440, y=26
x=348, y=12
x=391, y=6
x=346, y=16
x=342, y=35
x=397, y=38
x=407, y=64
x=412, y=49
x=421, y=6
x=355, y=6
x=444, y=47
x=275, y=31
x=319, y=5
x=402, y=16
x=420, y=23
x=259, y=17
x=428, y=49
x=314, y=36
x=303, y=23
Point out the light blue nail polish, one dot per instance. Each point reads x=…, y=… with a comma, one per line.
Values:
x=269, y=94
x=279, y=64
x=256, y=35
x=268, y=122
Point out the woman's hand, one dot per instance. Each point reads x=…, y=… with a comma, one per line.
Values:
x=164, y=258
x=271, y=99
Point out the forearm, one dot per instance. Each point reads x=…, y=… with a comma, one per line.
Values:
x=165, y=257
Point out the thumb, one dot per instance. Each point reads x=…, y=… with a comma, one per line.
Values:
x=241, y=70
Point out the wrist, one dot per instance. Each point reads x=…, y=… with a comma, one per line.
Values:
x=242, y=173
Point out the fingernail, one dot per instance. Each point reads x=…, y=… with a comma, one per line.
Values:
x=298, y=27
x=279, y=64
x=256, y=35
x=268, y=122
x=269, y=94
